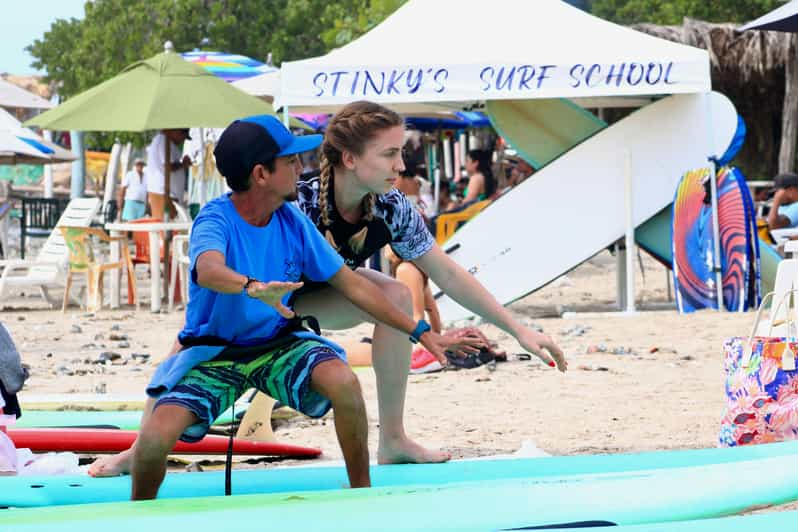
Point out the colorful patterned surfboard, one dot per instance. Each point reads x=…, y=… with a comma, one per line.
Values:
x=693, y=243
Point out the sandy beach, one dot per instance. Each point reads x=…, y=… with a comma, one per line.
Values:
x=655, y=383
x=658, y=385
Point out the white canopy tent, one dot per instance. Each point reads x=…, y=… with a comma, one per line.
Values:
x=784, y=18
x=13, y=96
x=266, y=85
x=20, y=145
x=515, y=49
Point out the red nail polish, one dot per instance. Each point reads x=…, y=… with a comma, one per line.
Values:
x=552, y=364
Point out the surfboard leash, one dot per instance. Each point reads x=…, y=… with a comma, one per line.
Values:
x=228, y=462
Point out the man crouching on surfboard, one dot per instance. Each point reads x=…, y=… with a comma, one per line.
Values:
x=248, y=249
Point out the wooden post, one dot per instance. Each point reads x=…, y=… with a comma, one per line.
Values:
x=789, y=117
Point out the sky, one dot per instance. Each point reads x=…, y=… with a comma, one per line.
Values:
x=22, y=22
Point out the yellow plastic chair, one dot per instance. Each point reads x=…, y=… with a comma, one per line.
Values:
x=82, y=259
x=763, y=231
x=448, y=223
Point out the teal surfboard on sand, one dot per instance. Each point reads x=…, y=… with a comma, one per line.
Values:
x=623, y=498
x=64, y=490
x=122, y=419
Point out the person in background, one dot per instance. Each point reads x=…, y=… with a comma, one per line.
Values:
x=132, y=196
x=784, y=211
x=409, y=184
x=481, y=182
x=156, y=153
x=519, y=171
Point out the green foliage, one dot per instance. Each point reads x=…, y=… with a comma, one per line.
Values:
x=672, y=12
x=80, y=54
x=350, y=22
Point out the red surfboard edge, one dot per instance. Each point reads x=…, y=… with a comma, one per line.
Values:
x=114, y=441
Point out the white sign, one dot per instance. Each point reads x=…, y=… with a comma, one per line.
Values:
x=308, y=84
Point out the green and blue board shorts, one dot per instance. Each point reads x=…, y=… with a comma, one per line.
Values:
x=211, y=387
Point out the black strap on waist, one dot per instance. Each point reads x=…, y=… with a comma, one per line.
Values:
x=231, y=351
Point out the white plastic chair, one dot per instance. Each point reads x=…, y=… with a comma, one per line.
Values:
x=786, y=280
x=49, y=267
x=180, y=264
x=182, y=213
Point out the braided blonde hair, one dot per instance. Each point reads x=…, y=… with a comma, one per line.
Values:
x=349, y=130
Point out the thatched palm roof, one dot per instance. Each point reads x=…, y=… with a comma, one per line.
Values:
x=749, y=68
x=751, y=55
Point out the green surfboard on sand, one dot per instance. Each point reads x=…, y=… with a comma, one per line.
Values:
x=623, y=498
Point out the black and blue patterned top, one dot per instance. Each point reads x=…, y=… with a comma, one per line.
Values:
x=396, y=222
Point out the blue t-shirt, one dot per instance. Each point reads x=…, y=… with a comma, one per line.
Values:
x=288, y=247
x=791, y=212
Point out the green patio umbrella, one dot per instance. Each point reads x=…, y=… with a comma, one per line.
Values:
x=163, y=92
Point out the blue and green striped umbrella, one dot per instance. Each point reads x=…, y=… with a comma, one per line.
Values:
x=229, y=67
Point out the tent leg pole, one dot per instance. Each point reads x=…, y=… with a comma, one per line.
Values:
x=713, y=187
x=620, y=277
x=630, y=236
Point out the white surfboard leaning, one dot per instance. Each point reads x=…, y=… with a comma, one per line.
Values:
x=574, y=206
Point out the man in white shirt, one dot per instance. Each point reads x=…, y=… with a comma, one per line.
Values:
x=156, y=156
x=132, y=197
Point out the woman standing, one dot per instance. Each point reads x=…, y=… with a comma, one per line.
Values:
x=355, y=206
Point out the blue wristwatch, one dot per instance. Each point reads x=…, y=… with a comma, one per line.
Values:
x=421, y=327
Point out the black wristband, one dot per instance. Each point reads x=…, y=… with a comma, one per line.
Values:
x=250, y=280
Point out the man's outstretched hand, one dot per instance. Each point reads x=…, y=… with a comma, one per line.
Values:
x=272, y=294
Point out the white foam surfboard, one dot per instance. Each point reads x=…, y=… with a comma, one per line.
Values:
x=574, y=206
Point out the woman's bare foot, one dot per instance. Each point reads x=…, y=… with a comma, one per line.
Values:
x=406, y=451
x=112, y=466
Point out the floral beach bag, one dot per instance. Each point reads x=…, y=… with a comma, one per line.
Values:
x=762, y=383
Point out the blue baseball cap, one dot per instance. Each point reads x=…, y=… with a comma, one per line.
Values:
x=256, y=140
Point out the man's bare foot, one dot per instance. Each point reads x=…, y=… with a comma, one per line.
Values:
x=406, y=451
x=112, y=466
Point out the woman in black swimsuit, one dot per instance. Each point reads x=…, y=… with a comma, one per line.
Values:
x=354, y=204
